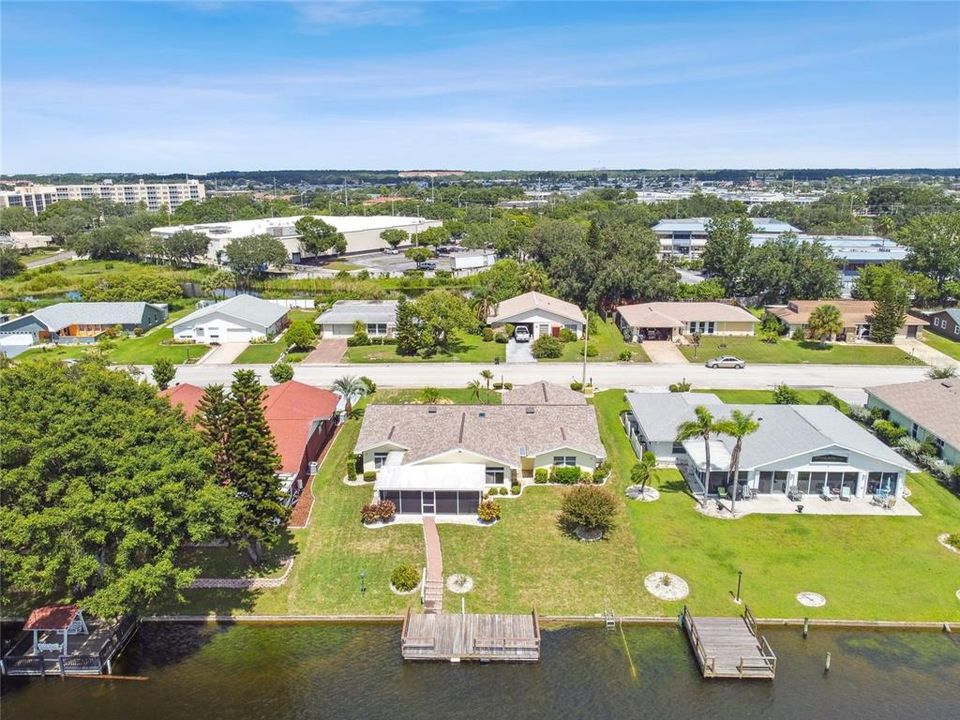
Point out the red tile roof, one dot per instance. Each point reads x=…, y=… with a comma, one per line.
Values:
x=289, y=408
x=52, y=617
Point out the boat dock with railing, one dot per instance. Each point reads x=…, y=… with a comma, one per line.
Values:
x=729, y=647
x=467, y=636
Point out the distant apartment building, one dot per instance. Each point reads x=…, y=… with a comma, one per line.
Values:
x=37, y=198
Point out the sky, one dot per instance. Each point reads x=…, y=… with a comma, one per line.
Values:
x=204, y=86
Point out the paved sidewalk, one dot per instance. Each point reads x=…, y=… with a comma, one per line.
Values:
x=223, y=354
x=663, y=352
x=433, y=589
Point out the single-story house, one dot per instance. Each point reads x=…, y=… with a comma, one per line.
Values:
x=541, y=314
x=441, y=459
x=808, y=447
x=84, y=322
x=945, y=323
x=929, y=410
x=379, y=317
x=857, y=317
x=302, y=419
x=542, y=393
x=667, y=320
x=24, y=240
x=242, y=318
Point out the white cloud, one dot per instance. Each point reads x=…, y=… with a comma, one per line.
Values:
x=328, y=14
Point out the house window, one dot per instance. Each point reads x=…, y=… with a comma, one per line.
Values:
x=915, y=431
x=494, y=475
x=829, y=459
x=877, y=481
x=678, y=449
x=564, y=460
x=544, y=329
x=376, y=328
x=379, y=459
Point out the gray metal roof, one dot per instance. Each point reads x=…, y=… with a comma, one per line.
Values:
x=246, y=308
x=699, y=224
x=785, y=430
x=346, y=312
x=56, y=317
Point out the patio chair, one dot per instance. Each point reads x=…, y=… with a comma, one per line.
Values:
x=845, y=493
x=891, y=502
x=877, y=499
x=794, y=494
x=825, y=493
x=722, y=492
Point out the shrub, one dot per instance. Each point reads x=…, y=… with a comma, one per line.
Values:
x=680, y=387
x=602, y=471
x=301, y=334
x=281, y=372
x=488, y=510
x=386, y=510
x=541, y=475
x=508, y=329
x=368, y=514
x=887, y=431
x=862, y=414
x=501, y=338
x=405, y=577
x=138, y=331
x=503, y=386
x=163, y=372
x=565, y=475
x=546, y=346
x=586, y=477
x=369, y=475
x=909, y=446
x=514, y=489
x=352, y=468
x=567, y=335
x=369, y=384
x=783, y=394
x=589, y=507
x=358, y=339
x=799, y=334
x=954, y=540
x=592, y=350
x=827, y=398
x=488, y=334
x=576, y=385
x=878, y=413
x=625, y=356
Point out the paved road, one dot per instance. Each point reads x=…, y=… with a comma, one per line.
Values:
x=58, y=257
x=846, y=378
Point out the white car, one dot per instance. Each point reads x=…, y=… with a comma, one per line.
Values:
x=726, y=361
x=521, y=333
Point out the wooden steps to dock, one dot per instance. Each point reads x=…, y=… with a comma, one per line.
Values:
x=433, y=596
x=485, y=638
x=728, y=647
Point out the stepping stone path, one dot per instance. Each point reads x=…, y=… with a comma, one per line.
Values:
x=676, y=587
x=811, y=599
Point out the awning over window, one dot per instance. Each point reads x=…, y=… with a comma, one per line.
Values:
x=719, y=455
x=453, y=476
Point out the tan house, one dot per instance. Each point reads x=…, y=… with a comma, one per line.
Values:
x=541, y=314
x=857, y=318
x=668, y=320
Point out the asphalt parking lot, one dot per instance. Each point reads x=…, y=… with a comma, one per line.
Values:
x=384, y=262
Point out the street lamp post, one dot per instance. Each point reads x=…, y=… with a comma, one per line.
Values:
x=739, y=579
x=363, y=583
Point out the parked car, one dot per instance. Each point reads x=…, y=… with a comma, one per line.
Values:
x=391, y=251
x=428, y=266
x=726, y=361
x=521, y=333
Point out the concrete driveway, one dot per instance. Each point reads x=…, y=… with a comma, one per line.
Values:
x=923, y=352
x=519, y=352
x=663, y=352
x=327, y=351
x=223, y=354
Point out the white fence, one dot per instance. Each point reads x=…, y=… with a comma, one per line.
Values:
x=302, y=303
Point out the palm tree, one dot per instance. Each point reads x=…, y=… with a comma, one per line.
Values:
x=488, y=376
x=642, y=471
x=484, y=303
x=737, y=426
x=703, y=427
x=824, y=321
x=349, y=387
x=476, y=388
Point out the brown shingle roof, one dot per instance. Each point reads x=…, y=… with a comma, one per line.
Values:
x=500, y=432
x=934, y=405
x=543, y=393
x=675, y=314
x=512, y=307
x=854, y=312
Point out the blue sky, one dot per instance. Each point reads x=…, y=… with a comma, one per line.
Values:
x=204, y=86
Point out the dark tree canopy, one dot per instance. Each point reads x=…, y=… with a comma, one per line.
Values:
x=101, y=482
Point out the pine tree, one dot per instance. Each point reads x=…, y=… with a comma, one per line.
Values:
x=213, y=412
x=408, y=339
x=253, y=463
x=889, y=310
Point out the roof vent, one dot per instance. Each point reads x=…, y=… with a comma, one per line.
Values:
x=481, y=414
x=530, y=410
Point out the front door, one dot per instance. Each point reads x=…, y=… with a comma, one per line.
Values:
x=911, y=331
x=429, y=503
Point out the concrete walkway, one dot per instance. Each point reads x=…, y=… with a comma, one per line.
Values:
x=924, y=353
x=663, y=352
x=433, y=590
x=223, y=354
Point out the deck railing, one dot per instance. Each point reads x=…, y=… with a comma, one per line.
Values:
x=707, y=663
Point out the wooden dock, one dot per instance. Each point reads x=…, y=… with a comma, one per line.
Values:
x=484, y=638
x=729, y=647
x=89, y=655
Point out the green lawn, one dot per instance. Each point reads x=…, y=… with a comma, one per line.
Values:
x=609, y=344
x=753, y=350
x=457, y=396
x=261, y=353
x=144, y=350
x=765, y=397
x=465, y=348
x=944, y=345
x=867, y=567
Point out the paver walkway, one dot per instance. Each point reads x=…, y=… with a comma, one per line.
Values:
x=327, y=351
x=433, y=590
x=663, y=351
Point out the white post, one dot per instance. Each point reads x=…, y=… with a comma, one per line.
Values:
x=586, y=338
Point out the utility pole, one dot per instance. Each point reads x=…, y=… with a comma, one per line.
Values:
x=586, y=338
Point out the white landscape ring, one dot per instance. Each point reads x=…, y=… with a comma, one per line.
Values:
x=811, y=599
x=453, y=587
x=676, y=590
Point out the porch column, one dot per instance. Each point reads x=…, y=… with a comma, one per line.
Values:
x=861, y=484
x=900, y=478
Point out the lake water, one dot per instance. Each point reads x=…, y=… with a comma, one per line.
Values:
x=291, y=672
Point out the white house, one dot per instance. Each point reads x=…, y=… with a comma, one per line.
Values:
x=379, y=318
x=242, y=318
x=441, y=459
x=541, y=314
x=806, y=447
